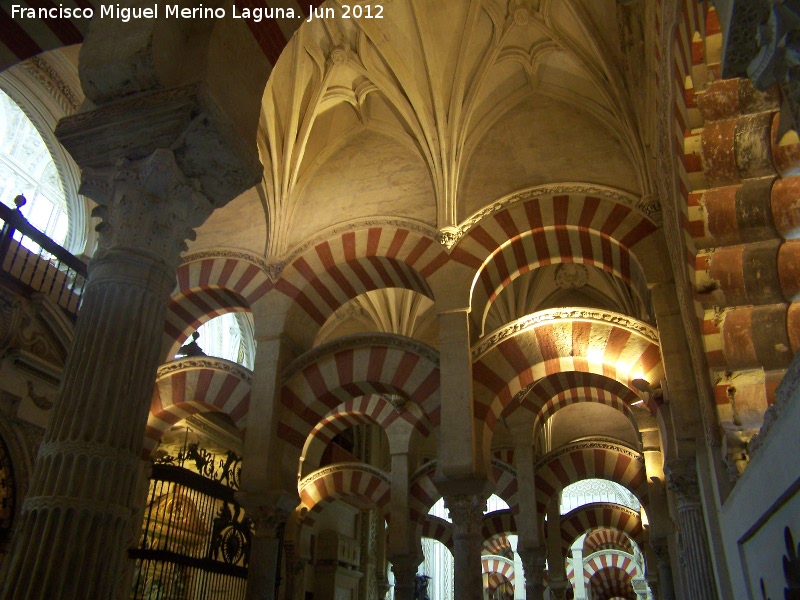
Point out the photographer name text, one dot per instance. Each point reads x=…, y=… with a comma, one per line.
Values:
x=175, y=11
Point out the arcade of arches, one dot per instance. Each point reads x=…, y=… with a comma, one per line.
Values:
x=537, y=250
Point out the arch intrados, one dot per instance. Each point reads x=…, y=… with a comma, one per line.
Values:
x=600, y=536
x=635, y=280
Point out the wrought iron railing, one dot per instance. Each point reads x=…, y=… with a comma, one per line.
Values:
x=32, y=258
x=195, y=539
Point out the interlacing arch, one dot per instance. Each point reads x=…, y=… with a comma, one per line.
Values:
x=598, y=229
x=590, y=458
x=612, y=582
x=438, y=529
x=210, y=284
x=372, y=409
x=324, y=274
x=498, y=523
x=602, y=521
x=499, y=568
x=196, y=385
x=612, y=559
x=349, y=367
x=606, y=538
x=370, y=485
x=512, y=359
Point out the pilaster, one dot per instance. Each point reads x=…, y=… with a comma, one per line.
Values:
x=696, y=565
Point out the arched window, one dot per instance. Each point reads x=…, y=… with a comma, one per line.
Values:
x=27, y=168
x=229, y=336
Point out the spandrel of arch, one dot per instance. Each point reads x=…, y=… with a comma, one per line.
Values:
x=28, y=168
x=229, y=336
x=587, y=491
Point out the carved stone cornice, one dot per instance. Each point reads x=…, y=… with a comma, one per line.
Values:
x=591, y=315
x=186, y=120
x=350, y=342
x=197, y=362
x=466, y=512
x=682, y=479
x=146, y=204
x=591, y=443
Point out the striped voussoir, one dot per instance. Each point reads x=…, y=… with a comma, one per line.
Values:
x=497, y=545
x=330, y=375
x=586, y=229
x=498, y=523
x=366, y=485
x=196, y=385
x=612, y=582
x=499, y=568
x=210, y=286
x=330, y=273
x=559, y=341
x=372, y=409
x=26, y=37
x=505, y=483
x=422, y=493
x=602, y=520
x=606, y=538
x=437, y=529
x=590, y=459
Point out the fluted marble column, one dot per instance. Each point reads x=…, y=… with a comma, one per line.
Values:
x=534, y=559
x=263, y=569
x=74, y=526
x=696, y=565
x=466, y=512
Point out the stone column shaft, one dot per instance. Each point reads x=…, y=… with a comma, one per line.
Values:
x=405, y=570
x=467, y=513
x=263, y=569
x=75, y=525
x=534, y=561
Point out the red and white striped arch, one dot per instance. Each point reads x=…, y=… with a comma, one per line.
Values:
x=557, y=341
x=505, y=482
x=497, y=544
x=605, y=538
x=196, y=385
x=612, y=582
x=600, y=521
x=368, y=486
x=586, y=229
x=498, y=523
x=590, y=460
x=356, y=411
x=331, y=374
x=422, y=493
x=437, y=529
x=500, y=566
x=210, y=286
x=330, y=273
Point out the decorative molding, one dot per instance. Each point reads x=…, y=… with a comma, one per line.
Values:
x=254, y=260
x=604, y=506
x=552, y=315
x=590, y=443
x=340, y=467
x=389, y=340
x=48, y=76
x=682, y=479
x=647, y=205
x=202, y=362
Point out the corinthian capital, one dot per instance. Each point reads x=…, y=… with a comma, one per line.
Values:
x=682, y=480
x=466, y=511
x=269, y=520
x=146, y=204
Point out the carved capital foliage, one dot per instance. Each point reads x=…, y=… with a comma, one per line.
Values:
x=269, y=520
x=682, y=480
x=466, y=511
x=147, y=204
x=660, y=548
x=533, y=560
